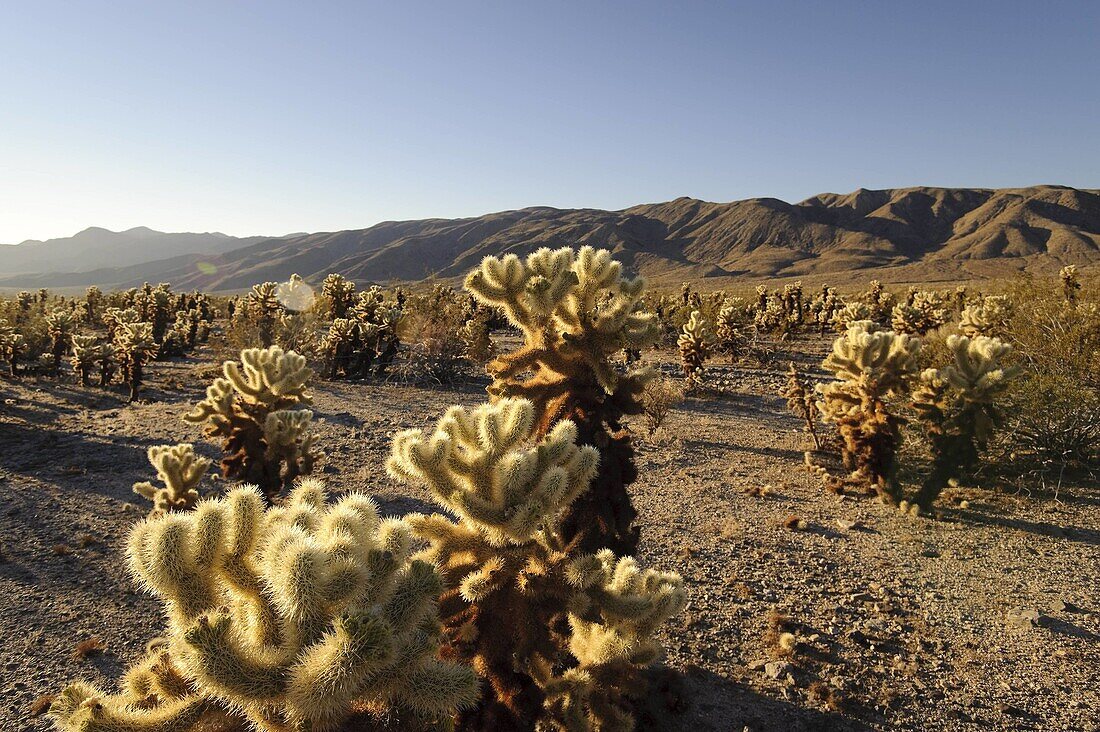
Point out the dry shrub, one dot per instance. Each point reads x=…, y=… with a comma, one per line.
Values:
x=431, y=328
x=1054, y=407
x=658, y=399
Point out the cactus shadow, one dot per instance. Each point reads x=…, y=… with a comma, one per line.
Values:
x=1068, y=532
x=720, y=704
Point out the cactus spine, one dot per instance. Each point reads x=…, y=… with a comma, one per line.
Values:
x=512, y=577
x=266, y=442
x=296, y=619
x=576, y=312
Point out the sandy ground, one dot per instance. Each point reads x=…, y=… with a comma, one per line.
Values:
x=986, y=617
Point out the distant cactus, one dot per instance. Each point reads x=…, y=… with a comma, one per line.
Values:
x=264, y=308
x=1071, y=283
x=576, y=312
x=85, y=354
x=12, y=346
x=852, y=312
x=513, y=579
x=870, y=366
x=136, y=348
x=181, y=470
x=303, y=618
x=265, y=441
x=733, y=316
x=339, y=293
x=957, y=406
x=988, y=317
x=924, y=311
x=59, y=327
x=477, y=343
x=694, y=344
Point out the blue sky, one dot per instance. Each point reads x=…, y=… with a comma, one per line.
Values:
x=272, y=117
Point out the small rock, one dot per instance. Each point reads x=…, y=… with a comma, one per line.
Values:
x=777, y=669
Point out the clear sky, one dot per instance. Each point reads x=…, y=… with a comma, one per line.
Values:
x=271, y=117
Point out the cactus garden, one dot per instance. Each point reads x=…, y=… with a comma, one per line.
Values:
x=549, y=495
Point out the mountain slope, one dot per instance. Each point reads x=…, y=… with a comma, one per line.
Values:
x=914, y=233
x=96, y=248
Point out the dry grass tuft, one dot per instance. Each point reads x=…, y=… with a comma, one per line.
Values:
x=88, y=647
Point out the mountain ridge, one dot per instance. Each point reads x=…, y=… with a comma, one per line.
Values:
x=911, y=233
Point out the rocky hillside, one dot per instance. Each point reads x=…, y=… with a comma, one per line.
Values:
x=908, y=233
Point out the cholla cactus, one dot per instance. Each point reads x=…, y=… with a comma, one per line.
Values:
x=852, y=312
x=12, y=346
x=85, y=353
x=249, y=407
x=957, y=406
x=512, y=576
x=477, y=343
x=106, y=360
x=136, y=348
x=732, y=317
x=870, y=366
x=925, y=311
x=694, y=349
x=824, y=307
x=339, y=293
x=264, y=307
x=93, y=302
x=294, y=295
x=791, y=299
x=1070, y=283
x=181, y=470
x=988, y=317
x=59, y=327
x=880, y=302
x=576, y=312
x=298, y=618
x=772, y=316
x=801, y=402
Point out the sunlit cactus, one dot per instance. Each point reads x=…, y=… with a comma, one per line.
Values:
x=880, y=302
x=181, y=471
x=477, y=342
x=93, y=304
x=870, y=366
x=823, y=308
x=85, y=354
x=264, y=308
x=240, y=407
x=956, y=405
x=512, y=577
x=988, y=317
x=59, y=326
x=852, y=312
x=924, y=311
x=13, y=346
x=304, y=618
x=1071, y=283
x=339, y=294
x=136, y=347
x=576, y=311
x=733, y=316
x=694, y=345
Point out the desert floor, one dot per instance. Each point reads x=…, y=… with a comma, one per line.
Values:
x=983, y=617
